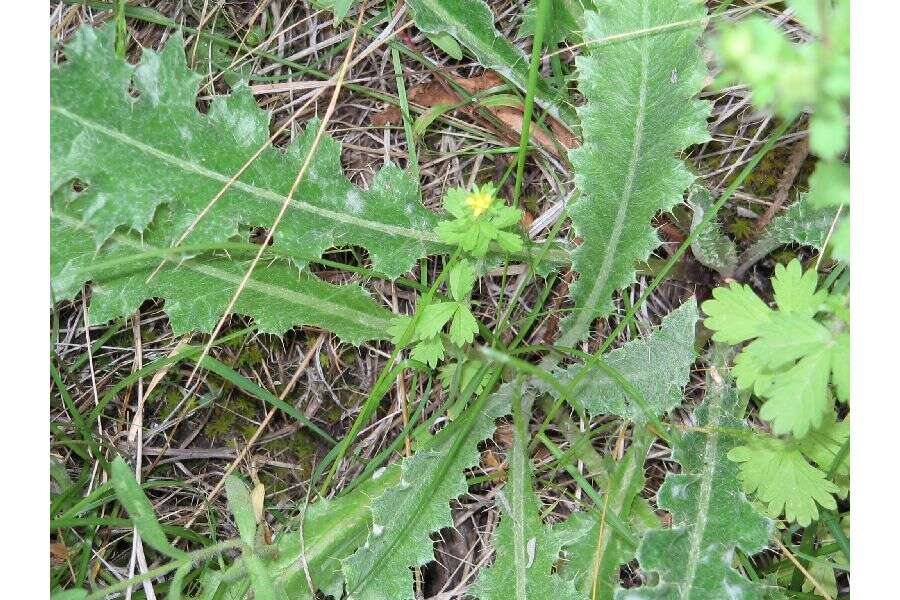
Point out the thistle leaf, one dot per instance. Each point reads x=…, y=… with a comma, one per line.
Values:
x=710, y=515
x=712, y=248
x=802, y=223
x=526, y=549
x=405, y=516
x=196, y=291
x=640, y=113
x=137, y=154
x=657, y=365
x=594, y=555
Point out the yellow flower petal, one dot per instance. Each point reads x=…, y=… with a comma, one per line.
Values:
x=479, y=201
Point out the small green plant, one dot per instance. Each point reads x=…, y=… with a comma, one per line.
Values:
x=797, y=363
x=479, y=219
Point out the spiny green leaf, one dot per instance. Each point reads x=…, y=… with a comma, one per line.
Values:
x=404, y=517
x=710, y=515
x=640, y=113
x=593, y=559
x=779, y=476
x=658, y=365
x=196, y=291
x=137, y=154
x=472, y=24
x=330, y=530
x=526, y=550
x=711, y=247
x=802, y=223
x=132, y=497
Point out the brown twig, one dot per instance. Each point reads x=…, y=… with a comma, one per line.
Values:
x=791, y=170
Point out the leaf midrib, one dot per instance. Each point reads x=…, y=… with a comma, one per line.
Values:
x=264, y=194
x=584, y=316
x=288, y=295
x=707, y=474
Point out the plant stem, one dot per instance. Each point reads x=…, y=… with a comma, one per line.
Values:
x=537, y=44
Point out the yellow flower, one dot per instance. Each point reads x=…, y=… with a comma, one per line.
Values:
x=479, y=201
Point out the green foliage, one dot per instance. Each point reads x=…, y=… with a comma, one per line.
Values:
x=781, y=478
x=658, y=365
x=793, y=354
x=640, y=113
x=796, y=351
x=406, y=514
x=779, y=473
x=151, y=165
x=829, y=189
x=242, y=508
x=710, y=515
x=135, y=155
x=789, y=77
x=134, y=163
x=565, y=22
x=526, y=549
x=594, y=554
x=429, y=346
x=711, y=247
x=479, y=219
x=132, y=497
x=472, y=24
x=332, y=529
x=802, y=223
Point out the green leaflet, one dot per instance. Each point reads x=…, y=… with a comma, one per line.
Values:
x=712, y=247
x=657, y=365
x=780, y=477
x=404, y=517
x=137, y=154
x=196, y=291
x=526, y=549
x=640, y=113
x=472, y=24
x=593, y=561
x=792, y=356
x=710, y=515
